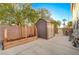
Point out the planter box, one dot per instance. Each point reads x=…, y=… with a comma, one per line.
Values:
x=18, y=42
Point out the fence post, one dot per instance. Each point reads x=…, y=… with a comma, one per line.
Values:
x=5, y=38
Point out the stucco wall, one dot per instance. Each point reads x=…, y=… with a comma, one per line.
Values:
x=75, y=12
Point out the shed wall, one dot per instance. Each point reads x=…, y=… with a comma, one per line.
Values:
x=45, y=29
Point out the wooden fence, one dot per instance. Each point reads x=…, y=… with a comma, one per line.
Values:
x=14, y=35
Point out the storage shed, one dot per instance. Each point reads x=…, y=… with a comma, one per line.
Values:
x=45, y=28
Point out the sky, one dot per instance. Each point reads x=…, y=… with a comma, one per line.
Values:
x=58, y=11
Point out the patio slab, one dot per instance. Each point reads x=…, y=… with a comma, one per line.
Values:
x=59, y=45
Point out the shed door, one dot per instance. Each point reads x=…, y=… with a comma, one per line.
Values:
x=42, y=29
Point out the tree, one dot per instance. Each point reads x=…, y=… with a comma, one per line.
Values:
x=69, y=24
x=64, y=20
x=18, y=14
x=21, y=13
x=58, y=23
x=26, y=15
x=33, y=16
x=44, y=13
x=5, y=13
x=64, y=24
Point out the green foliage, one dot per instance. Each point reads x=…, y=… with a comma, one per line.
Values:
x=21, y=14
x=64, y=20
x=5, y=13
x=56, y=23
x=34, y=16
x=44, y=13
x=69, y=24
x=17, y=14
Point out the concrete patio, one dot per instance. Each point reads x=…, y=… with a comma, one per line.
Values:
x=59, y=45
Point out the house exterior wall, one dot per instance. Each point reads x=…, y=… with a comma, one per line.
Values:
x=75, y=11
x=75, y=19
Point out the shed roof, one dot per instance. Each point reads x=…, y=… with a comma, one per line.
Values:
x=47, y=20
